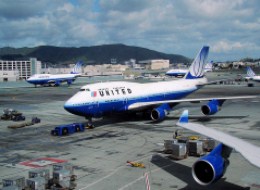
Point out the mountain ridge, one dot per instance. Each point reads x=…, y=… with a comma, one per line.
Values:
x=91, y=54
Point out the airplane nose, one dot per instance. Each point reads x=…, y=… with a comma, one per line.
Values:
x=74, y=109
x=69, y=107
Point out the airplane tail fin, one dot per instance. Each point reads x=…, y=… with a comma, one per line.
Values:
x=196, y=69
x=77, y=68
x=250, y=72
x=184, y=117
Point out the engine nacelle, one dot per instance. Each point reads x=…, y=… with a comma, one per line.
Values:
x=69, y=82
x=210, y=168
x=57, y=83
x=158, y=114
x=211, y=108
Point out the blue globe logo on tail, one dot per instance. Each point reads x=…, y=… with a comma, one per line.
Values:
x=250, y=72
x=196, y=69
x=77, y=68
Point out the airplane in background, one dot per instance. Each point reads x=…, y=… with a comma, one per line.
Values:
x=177, y=72
x=208, y=67
x=251, y=75
x=57, y=79
x=182, y=72
x=156, y=98
x=212, y=167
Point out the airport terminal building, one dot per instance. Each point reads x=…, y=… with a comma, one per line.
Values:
x=19, y=69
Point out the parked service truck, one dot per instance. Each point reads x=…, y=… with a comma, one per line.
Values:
x=68, y=129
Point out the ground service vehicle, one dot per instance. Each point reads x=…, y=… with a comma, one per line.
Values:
x=68, y=129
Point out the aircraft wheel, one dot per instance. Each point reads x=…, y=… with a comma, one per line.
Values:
x=65, y=131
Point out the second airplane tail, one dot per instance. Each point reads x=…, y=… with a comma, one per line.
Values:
x=250, y=72
x=196, y=69
x=77, y=68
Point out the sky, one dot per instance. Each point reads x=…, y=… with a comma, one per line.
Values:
x=230, y=27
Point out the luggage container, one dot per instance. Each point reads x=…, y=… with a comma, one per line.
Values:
x=10, y=188
x=63, y=179
x=195, y=148
x=183, y=139
x=45, y=173
x=17, y=181
x=168, y=145
x=36, y=183
x=63, y=166
x=179, y=151
x=208, y=144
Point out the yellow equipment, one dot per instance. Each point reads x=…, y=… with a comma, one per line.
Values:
x=136, y=164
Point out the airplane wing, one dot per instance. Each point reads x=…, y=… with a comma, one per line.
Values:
x=249, y=151
x=143, y=105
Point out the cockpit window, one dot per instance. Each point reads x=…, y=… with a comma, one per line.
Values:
x=84, y=89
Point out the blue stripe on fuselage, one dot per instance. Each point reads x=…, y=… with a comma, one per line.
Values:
x=98, y=109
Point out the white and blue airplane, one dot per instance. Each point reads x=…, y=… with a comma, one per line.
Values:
x=181, y=72
x=212, y=167
x=157, y=98
x=177, y=72
x=57, y=79
x=251, y=75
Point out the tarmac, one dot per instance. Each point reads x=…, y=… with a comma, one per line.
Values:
x=100, y=154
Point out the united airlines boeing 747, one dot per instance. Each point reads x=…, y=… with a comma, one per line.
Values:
x=56, y=80
x=158, y=98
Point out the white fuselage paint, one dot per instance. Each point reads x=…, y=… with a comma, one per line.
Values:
x=93, y=95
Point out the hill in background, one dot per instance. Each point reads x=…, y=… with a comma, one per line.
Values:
x=94, y=54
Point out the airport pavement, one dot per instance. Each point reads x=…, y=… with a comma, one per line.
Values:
x=100, y=154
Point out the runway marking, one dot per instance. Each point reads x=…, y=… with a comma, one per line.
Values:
x=151, y=171
x=94, y=183
x=40, y=162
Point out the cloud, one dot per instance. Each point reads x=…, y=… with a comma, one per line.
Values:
x=224, y=46
x=168, y=26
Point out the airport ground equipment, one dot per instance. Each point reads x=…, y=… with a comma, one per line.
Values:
x=63, y=176
x=68, y=129
x=18, y=182
x=36, y=183
x=10, y=188
x=135, y=164
x=208, y=144
x=18, y=118
x=41, y=172
x=179, y=151
x=36, y=120
x=11, y=114
x=195, y=148
x=168, y=145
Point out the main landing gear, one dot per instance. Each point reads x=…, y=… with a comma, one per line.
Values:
x=90, y=123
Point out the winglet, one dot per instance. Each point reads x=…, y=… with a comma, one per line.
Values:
x=184, y=117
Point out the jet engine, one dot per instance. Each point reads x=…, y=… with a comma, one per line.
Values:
x=212, y=107
x=69, y=82
x=57, y=83
x=211, y=167
x=158, y=114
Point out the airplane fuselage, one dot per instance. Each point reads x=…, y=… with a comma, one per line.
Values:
x=177, y=72
x=42, y=79
x=256, y=78
x=95, y=100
